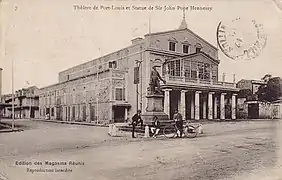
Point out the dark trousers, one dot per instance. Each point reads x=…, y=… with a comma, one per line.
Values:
x=134, y=124
x=179, y=125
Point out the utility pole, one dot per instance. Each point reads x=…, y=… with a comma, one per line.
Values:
x=13, y=97
x=30, y=107
x=136, y=81
x=141, y=94
x=97, y=95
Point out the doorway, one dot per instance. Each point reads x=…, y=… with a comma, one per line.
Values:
x=253, y=111
x=119, y=114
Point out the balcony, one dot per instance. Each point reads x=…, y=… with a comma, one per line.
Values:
x=198, y=83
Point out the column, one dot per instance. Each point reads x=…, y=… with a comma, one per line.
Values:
x=192, y=107
x=204, y=106
x=197, y=105
x=210, y=105
x=233, y=106
x=215, y=107
x=125, y=88
x=77, y=109
x=211, y=80
x=64, y=113
x=222, y=106
x=125, y=113
x=71, y=118
x=55, y=112
x=167, y=101
x=183, y=103
x=198, y=79
x=234, y=80
x=88, y=112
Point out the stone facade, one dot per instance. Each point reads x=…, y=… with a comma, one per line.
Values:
x=26, y=103
x=102, y=90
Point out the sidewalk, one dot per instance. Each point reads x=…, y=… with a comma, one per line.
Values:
x=202, y=121
x=71, y=122
x=7, y=128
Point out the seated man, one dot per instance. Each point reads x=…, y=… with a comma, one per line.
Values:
x=156, y=126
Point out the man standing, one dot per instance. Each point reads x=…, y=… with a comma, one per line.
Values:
x=136, y=119
x=177, y=117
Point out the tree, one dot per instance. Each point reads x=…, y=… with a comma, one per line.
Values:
x=271, y=91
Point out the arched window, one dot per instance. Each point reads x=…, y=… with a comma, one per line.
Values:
x=198, y=47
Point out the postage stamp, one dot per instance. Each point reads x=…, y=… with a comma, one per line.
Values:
x=241, y=39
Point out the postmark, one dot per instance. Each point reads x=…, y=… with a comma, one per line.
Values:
x=241, y=39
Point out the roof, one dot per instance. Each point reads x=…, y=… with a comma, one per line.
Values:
x=279, y=100
x=196, y=54
x=184, y=29
x=252, y=81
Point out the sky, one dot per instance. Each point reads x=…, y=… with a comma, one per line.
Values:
x=44, y=37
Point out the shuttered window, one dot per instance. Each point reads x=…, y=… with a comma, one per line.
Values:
x=120, y=94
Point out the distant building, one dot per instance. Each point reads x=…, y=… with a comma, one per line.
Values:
x=103, y=89
x=252, y=85
x=249, y=105
x=26, y=103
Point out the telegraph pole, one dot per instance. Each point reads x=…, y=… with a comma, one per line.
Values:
x=13, y=97
x=140, y=65
x=136, y=81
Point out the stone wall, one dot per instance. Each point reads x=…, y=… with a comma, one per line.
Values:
x=242, y=108
x=265, y=110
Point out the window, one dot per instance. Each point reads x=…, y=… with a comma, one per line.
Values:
x=198, y=49
x=68, y=77
x=120, y=94
x=185, y=48
x=73, y=112
x=52, y=111
x=171, y=68
x=177, y=68
x=172, y=46
x=204, y=71
x=113, y=64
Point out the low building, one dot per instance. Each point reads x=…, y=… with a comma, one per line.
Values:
x=249, y=106
x=26, y=103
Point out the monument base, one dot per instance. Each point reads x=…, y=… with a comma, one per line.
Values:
x=148, y=117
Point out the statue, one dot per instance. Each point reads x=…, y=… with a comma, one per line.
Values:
x=155, y=81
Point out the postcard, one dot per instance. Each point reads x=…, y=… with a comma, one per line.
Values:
x=135, y=89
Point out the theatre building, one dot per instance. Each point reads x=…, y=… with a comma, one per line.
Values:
x=103, y=90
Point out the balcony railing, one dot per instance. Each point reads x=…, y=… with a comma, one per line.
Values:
x=198, y=82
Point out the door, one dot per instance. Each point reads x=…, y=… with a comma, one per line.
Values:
x=119, y=114
x=92, y=113
x=84, y=112
x=253, y=111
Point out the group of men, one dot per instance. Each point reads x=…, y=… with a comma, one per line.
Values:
x=155, y=128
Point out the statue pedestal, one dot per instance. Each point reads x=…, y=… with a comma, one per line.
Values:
x=155, y=107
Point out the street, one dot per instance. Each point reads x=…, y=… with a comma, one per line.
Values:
x=226, y=150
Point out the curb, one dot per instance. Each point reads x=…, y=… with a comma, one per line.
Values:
x=9, y=129
x=71, y=122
